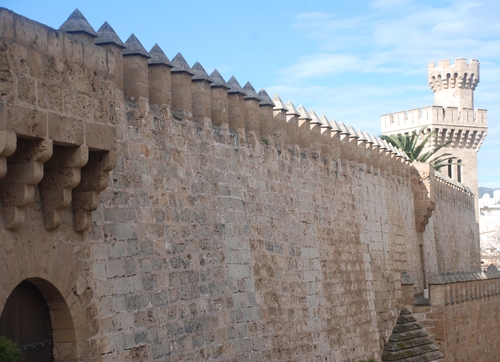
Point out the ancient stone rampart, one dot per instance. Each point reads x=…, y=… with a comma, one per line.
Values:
x=227, y=225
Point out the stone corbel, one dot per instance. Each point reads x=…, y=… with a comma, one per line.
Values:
x=61, y=175
x=8, y=142
x=24, y=171
x=423, y=185
x=94, y=179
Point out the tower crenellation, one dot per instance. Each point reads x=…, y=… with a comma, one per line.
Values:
x=454, y=84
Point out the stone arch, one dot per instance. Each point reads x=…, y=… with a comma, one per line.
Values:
x=54, y=269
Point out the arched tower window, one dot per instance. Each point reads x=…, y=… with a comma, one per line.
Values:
x=459, y=170
x=450, y=169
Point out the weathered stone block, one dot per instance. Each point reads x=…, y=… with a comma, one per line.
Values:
x=100, y=137
x=27, y=122
x=65, y=130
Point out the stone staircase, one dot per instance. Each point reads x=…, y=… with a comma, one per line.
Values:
x=409, y=342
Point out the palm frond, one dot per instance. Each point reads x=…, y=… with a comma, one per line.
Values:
x=415, y=144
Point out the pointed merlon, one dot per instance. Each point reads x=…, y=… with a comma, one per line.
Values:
x=375, y=141
x=107, y=36
x=393, y=149
x=217, y=80
x=291, y=110
x=386, y=145
x=250, y=92
x=134, y=47
x=278, y=104
x=334, y=125
x=200, y=75
x=303, y=113
x=265, y=100
x=361, y=135
x=352, y=132
x=235, y=87
x=314, y=118
x=367, y=137
x=77, y=24
x=325, y=123
x=158, y=57
x=180, y=65
x=343, y=128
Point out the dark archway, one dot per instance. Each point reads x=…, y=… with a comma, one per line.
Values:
x=25, y=319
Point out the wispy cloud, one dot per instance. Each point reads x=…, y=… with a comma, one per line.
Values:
x=327, y=64
x=396, y=36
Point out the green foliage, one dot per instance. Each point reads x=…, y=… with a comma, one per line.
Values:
x=368, y=360
x=9, y=351
x=414, y=145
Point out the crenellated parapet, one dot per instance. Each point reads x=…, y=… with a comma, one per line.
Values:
x=466, y=128
x=454, y=84
x=78, y=124
x=459, y=75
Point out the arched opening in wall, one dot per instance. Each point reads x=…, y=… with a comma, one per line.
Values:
x=450, y=169
x=25, y=319
x=459, y=170
x=36, y=317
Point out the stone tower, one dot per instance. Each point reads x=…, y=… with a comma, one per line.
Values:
x=452, y=117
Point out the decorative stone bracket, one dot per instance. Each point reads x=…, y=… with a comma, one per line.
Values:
x=423, y=186
x=24, y=171
x=66, y=175
x=62, y=174
x=94, y=180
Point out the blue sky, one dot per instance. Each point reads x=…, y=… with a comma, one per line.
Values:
x=350, y=60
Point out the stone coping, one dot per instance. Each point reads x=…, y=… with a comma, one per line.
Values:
x=491, y=273
x=452, y=182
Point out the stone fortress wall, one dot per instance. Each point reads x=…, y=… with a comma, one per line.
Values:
x=168, y=215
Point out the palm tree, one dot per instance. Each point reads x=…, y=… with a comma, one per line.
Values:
x=416, y=143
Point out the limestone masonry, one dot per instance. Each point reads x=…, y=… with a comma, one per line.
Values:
x=168, y=215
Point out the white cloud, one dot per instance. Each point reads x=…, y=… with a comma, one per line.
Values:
x=321, y=65
x=380, y=40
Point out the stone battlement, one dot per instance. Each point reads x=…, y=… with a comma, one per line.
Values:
x=95, y=64
x=467, y=128
x=434, y=115
x=458, y=75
